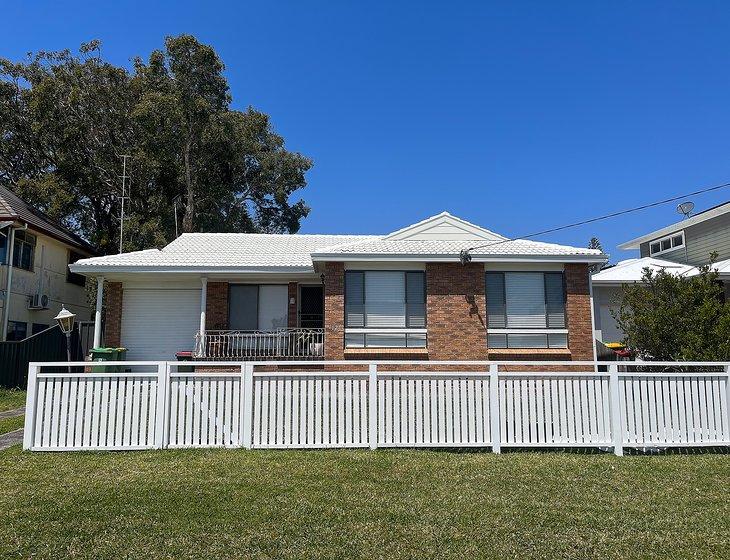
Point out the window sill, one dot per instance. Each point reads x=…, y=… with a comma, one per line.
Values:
x=522, y=351
x=386, y=351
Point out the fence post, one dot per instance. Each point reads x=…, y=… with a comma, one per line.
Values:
x=727, y=396
x=373, y=405
x=161, y=410
x=30, y=406
x=494, y=407
x=246, y=403
x=616, y=424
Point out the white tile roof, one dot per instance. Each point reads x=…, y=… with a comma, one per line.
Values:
x=507, y=248
x=439, y=238
x=632, y=270
x=224, y=250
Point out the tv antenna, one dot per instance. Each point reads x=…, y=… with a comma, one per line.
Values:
x=122, y=198
x=686, y=208
x=174, y=203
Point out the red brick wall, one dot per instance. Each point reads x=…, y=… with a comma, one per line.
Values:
x=216, y=306
x=292, y=307
x=456, y=312
x=578, y=312
x=113, y=295
x=334, y=310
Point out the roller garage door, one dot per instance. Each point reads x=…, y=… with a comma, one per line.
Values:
x=156, y=322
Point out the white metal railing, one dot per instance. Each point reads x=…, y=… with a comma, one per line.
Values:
x=284, y=343
x=288, y=404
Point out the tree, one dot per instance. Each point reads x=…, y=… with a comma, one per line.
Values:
x=669, y=317
x=595, y=243
x=65, y=120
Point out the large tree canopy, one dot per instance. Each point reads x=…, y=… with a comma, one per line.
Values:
x=66, y=119
x=668, y=317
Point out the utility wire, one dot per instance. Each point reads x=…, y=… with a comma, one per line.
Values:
x=465, y=257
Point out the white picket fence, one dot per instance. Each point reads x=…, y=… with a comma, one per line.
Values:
x=153, y=405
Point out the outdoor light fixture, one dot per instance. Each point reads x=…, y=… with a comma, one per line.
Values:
x=464, y=256
x=65, y=321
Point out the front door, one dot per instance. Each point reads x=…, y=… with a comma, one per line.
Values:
x=311, y=308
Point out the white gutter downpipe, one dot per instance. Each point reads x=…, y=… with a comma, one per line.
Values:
x=97, y=313
x=593, y=318
x=6, y=303
x=203, y=304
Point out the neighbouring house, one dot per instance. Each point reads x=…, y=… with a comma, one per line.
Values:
x=678, y=248
x=403, y=295
x=35, y=252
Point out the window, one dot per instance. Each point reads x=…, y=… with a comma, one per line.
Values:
x=385, y=309
x=526, y=310
x=254, y=307
x=4, y=246
x=668, y=243
x=17, y=330
x=24, y=249
x=72, y=277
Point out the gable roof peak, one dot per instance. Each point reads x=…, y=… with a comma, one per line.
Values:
x=443, y=226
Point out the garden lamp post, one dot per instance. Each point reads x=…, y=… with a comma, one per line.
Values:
x=65, y=321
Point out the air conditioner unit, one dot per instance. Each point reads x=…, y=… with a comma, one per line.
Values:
x=38, y=301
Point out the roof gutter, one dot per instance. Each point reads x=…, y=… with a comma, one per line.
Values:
x=93, y=270
x=340, y=257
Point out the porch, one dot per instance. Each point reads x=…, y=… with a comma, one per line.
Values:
x=279, y=344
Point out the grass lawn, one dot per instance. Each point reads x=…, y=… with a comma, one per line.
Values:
x=361, y=504
x=11, y=398
x=11, y=424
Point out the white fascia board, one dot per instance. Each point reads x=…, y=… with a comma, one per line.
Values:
x=339, y=257
x=100, y=270
x=678, y=226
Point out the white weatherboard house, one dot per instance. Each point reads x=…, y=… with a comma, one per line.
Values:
x=401, y=295
x=679, y=248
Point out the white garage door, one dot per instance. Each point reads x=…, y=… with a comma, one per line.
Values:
x=156, y=323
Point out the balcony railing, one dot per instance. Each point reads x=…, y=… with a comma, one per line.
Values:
x=299, y=344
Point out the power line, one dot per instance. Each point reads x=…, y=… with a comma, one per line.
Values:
x=465, y=257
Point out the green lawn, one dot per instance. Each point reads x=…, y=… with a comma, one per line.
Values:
x=11, y=398
x=11, y=424
x=361, y=504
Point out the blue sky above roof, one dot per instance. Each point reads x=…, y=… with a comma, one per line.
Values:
x=515, y=116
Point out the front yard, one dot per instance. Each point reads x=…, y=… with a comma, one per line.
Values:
x=361, y=504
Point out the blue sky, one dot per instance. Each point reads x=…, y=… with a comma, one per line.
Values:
x=518, y=116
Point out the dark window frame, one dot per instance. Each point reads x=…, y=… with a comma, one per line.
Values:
x=14, y=325
x=503, y=305
x=405, y=299
x=20, y=245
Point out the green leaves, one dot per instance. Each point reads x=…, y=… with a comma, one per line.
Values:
x=670, y=317
x=65, y=120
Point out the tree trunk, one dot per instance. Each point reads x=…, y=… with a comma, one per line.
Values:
x=187, y=222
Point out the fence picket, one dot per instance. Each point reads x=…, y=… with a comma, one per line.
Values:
x=133, y=410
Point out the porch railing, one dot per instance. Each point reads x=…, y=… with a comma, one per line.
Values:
x=285, y=343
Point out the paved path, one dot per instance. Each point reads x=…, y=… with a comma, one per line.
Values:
x=12, y=413
x=11, y=438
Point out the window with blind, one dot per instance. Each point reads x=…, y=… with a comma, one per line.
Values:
x=526, y=310
x=385, y=309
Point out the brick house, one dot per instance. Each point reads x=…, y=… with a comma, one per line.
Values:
x=441, y=289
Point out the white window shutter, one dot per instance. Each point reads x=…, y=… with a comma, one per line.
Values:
x=525, y=296
x=385, y=295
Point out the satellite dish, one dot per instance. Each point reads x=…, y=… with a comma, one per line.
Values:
x=686, y=208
